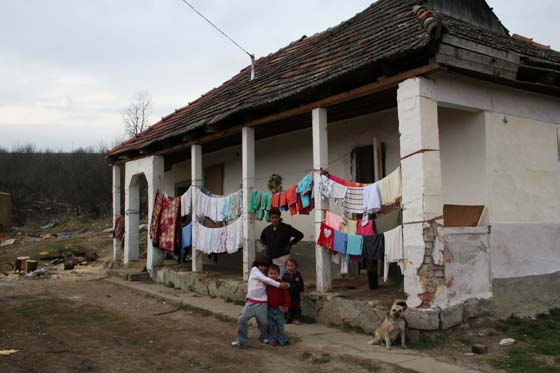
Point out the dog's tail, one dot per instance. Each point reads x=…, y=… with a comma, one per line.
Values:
x=375, y=341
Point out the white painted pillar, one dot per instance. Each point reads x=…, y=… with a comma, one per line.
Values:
x=116, y=210
x=154, y=176
x=248, y=169
x=320, y=161
x=421, y=175
x=196, y=182
x=131, y=216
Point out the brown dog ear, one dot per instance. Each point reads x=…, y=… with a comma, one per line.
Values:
x=402, y=304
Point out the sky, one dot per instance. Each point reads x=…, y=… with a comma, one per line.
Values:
x=68, y=68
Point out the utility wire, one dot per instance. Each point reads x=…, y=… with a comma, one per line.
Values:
x=217, y=28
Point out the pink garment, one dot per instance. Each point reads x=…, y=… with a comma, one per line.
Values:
x=365, y=230
x=344, y=182
x=333, y=220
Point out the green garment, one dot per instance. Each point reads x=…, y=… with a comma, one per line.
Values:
x=266, y=201
x=255, y=201
x=386, y=222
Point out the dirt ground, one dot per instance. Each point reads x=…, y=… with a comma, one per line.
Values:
x=85, y=324
x=76, y=321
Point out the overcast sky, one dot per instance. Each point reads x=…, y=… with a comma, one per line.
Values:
x=69, y=67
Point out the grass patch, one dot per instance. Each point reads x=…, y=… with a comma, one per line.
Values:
x=196, y=310
x=431, y=342
x=323, y=359
x=239, y=302
x=225, y=318
x=373, y=368
x=467, y=341
x=518, y=360
x=535, y=338
x=492, y=333
x=306, y=355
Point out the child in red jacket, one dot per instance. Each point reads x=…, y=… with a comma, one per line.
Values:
x=278, y=304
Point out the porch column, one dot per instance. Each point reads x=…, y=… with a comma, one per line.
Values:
x=421, y=187
x=116, y=209
x=320, y=161
x=248, y=168
x=196, y=182
x=154, y=176
x=131, y=215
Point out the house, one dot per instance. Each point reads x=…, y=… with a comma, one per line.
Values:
x=439, y=88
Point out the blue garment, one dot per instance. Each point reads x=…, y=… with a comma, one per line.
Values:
x=186, y=240
x=340, y=239
x=275, y=328
x=305, y=189
x=354, y=245
x=186, y=236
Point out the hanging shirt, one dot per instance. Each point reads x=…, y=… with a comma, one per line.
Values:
x=255, y=201
x=350, y=226
x=333, y=220
x=326, y=186
x=390, y=187
x=354, y=201
x=354, y=246
x=339, y=244
x=372, y=201
x=266, y=200
x=304, y=189
x=365, y=230
x=344, y=182
x=186, y=236
x=234, y=236
x=339, y=191
x=186, y=200
x=394, y=252
x=291, y=196
x=374, y=247
x=388, y=221
x=326, y=237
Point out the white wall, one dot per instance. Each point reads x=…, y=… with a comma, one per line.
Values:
x=523, y=170
x=290, y=155
x=463, y=156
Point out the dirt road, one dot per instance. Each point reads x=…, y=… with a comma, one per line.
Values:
x=91, y=325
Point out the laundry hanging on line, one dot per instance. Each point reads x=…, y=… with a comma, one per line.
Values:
x=228, y=239
x=218, y=208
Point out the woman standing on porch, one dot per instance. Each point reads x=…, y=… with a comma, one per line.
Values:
x=278, y=238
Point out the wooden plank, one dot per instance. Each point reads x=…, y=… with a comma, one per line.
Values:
x=479, y=48
x=474, y=66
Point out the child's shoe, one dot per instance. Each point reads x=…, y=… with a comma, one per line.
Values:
x=237, y=345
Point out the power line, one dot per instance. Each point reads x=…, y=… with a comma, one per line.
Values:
x=217, y=28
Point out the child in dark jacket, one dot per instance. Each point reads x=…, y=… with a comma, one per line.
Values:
x=278, y=304
x=295, y=279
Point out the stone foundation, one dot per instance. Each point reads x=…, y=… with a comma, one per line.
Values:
x=331, y=308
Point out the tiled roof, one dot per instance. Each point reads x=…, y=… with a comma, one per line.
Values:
x=386, y=28
x=469, y=32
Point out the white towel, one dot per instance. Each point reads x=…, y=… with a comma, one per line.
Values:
x=372, y=201
x=390, y=187
x=186, y=200
x=394, y=250
x=354, y=201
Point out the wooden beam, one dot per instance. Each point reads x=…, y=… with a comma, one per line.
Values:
x=362, y=91
x=366, y=90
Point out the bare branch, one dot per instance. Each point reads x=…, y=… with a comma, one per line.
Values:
x=136, y=115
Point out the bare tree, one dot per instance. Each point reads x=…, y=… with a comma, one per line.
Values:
x=137, y=113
